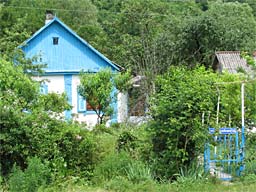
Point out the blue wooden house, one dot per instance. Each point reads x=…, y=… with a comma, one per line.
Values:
x=66, y=54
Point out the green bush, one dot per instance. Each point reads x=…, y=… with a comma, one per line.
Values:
x=126, y=141
x=135, y=140
x=79, y=153
x=248, y=178
x=17, y=180
x=32, y=125
x=36, y=175
x=250, y=155
x=68, y=149
x=182, y=97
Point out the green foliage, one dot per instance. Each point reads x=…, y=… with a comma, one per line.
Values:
x=33, y=17
x=121, y=164
x=138, y=172
x=36, y=175
x=68, y=150
x=249, y=178
x=191, y=174
x=20, y=92
x=176, y=110
x=134, y=140
x=16, y=181
x=183, y=96
x=249, y=59
x=115, y=164
x=96, y=89
x=29, y=128
x=12, y=37
x=126, y=141
x=100, y=92
x=79, y=153
x=250, y=160
x=123, y=81
x=53, y=103
x=232, y=27
x=122, y=156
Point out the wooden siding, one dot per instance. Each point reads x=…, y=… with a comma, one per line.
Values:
x=69, y=55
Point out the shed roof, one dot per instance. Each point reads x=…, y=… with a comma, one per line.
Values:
x=230, y=61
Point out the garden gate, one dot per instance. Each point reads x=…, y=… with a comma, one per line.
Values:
x=225, y=150
x=224, y=154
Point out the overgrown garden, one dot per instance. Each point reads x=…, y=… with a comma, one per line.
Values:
x=170, y=43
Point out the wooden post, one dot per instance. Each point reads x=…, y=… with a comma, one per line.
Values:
x=218, y=107
x=242, y=103
x=242, y=150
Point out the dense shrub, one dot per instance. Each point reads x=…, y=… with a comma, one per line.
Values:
x=136, y=140
x=250, y=158
x=79, y=152
x=183, y=96
x=126, y=141
x=37, y=174
x=67, y=148
x=26, y=126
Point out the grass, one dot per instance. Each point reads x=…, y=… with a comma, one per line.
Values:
x=125, y=171
x=123, y=185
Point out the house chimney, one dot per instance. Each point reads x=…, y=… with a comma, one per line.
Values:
x=48, y=16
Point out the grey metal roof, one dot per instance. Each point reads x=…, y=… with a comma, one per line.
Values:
x=231, y=61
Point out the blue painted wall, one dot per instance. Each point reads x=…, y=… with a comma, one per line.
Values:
x=71, y=54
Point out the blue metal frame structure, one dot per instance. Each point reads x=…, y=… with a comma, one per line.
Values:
x=223, y=156
x=231, y=162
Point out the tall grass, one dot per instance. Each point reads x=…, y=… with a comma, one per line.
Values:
x=137, y=172
x=121, y=165
x=191, y=174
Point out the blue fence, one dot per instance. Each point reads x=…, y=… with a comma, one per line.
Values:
x=224, y=153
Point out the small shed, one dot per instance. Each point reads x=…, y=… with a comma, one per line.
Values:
x=230, y=61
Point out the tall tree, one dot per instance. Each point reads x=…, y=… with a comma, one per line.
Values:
x=139, y=36
x=80, y=15
x=232, y=27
